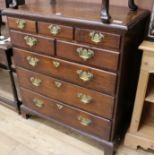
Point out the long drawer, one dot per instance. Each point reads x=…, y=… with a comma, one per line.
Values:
x=71, y=116
x=34, y=43
x=72, y=72
x=88, y=55
x=74, y=95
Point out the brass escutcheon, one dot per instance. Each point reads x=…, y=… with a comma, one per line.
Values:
x=56, y=64
x=58, y=84
x=59, y=106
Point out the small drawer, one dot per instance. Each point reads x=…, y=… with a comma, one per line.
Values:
x=88, y=55
x=56, y=31
x=98, y=38
x=73, y=117
x=34, y=43
x=74, y=95
x=22, y=24
x=88, y=77
x=3, y=58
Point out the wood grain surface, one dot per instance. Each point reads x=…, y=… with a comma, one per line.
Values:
x=101, y=81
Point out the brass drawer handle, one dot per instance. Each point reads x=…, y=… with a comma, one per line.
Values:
x=35, y=81
x=85, y=99
x=54, y=29
x=84, y=121
x=85, y=54
x=96, y=37
x=30, y=41
x=38, y=103
x=58, y=84
x=56, y=64
x=33, y=61
x=59, y=106
x=85, y=76
x=21, y=23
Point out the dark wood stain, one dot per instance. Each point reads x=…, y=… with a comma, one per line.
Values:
x=48, y=88
x=43, y=45
x=114, y=65
x=102, y=126
x=103, y=59
x=102, y=81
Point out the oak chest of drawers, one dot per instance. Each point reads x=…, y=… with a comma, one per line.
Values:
x=75, y=70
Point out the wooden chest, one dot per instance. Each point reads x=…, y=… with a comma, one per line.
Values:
x=75, y=70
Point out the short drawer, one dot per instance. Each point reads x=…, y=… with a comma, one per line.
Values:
x=22, y=24
x=73, y=117
x=98, y=38
x=88, y=55
x=34, y=43
x=74, y=95
x=56, y=31
x=88, y=77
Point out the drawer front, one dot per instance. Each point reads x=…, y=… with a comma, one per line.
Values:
x=74, y=95
x=22, y=24
x=34, y=43
x=65, y=114
x=88, y=55
x=100, y=39
x=3, y=58
x=85, y=76
x=54, y=30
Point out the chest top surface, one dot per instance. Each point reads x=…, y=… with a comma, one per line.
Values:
x=77, y=12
